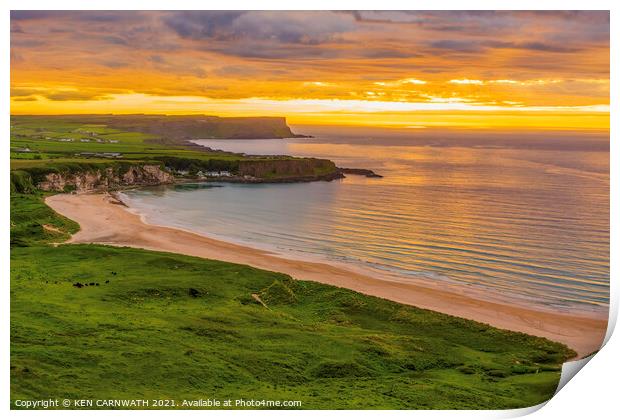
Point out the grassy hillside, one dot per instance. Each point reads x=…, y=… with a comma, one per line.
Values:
x=157, y=325
x=52, y=139
x=177, y=127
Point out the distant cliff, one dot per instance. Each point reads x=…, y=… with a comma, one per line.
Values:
x=196, y=127
x=186, y=127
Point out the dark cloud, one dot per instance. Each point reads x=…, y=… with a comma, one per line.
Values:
x=474, y=46
x=24, y=98
x=30, y=14
x=456, y=45
x=60, y=31
x=116, y=40
x=533, y=46
x=74, y=96
x=114, y=64
x=387, y=16
x=15, y=92
x=248, y=71
x=27, y=43
x=308, y=28
x=379, y=53
x=237, y=71
x=27, y=94
x=202, y=24
x=82, y=15
x=156, y=58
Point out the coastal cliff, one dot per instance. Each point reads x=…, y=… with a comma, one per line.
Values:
x=101, y=177
x=178, y=128
x=289, y=170
x=102, y=180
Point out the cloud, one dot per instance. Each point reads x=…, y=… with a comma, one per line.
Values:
x=18, y=93
x=30, y=14
x=309, y=28
x=32, y=94
x=24, y=98
x=156, y=58
x=114, y=64
x=379, y=53
x=457, y=45
x=88, y=55
x=532, y=45
x=116, y=40
x=75, y=96
x=474, y=46
x=27, y=43
x=75, y=15
x=237, y=71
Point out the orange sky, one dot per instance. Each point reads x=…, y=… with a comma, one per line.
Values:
x=407, y=69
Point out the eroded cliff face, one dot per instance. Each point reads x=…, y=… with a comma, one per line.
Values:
x=101, y=180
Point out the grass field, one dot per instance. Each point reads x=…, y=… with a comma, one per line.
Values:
x=43, y=138
x=152, y=325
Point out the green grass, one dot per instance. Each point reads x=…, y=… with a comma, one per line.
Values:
x=42, y=136
x=162, y=325
x=34, y=223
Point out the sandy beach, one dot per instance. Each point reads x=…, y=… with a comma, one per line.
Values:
x=104, y=220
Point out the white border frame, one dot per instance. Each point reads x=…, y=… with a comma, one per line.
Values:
x=591, y=395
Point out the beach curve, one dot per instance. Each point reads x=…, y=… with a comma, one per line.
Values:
x=104, y=220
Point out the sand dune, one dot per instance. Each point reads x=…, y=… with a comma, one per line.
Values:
x=103, y=220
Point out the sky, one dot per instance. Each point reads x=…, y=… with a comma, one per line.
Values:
x=415, y=69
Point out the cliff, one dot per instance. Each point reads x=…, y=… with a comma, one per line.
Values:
x=108, y=178
x=184, y=127
x=286, y=168
x=364, y=172
x=196, y=127
x=86, y=178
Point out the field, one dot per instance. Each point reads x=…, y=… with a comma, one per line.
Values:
x=44, y=138
x=151, y=325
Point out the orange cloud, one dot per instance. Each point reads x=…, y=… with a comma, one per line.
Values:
x=535, y=66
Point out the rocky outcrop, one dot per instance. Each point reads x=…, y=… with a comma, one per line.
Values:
x=102, y=180
x=356, y=171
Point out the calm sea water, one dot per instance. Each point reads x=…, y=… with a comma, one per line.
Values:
x=523, y=215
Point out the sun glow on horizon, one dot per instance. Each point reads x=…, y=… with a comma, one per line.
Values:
x=345, y=112
x=332, y=68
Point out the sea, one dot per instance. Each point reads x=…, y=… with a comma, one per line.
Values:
x=519, y=216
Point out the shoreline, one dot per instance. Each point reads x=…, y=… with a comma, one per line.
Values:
x=106, y=220
x=480, y=292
